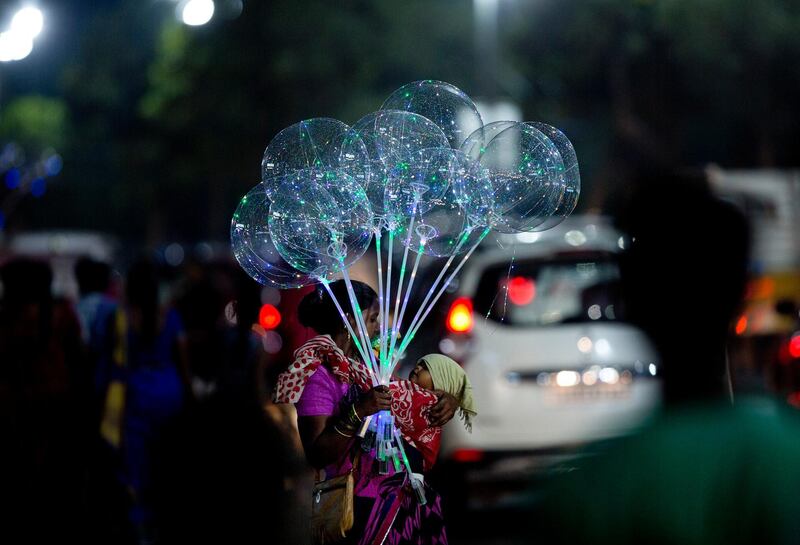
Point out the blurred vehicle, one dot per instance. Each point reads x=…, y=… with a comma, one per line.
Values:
x=552, y=362
x=761, y=356
x=789, y=351
x=61, y=249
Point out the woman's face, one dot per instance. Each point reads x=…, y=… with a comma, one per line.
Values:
x=371, y=319
x=421, y=376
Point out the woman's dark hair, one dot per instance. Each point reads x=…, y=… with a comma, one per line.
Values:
x=318, y=311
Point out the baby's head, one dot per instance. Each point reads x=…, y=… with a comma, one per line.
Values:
x=439, y=372
x=421, y=376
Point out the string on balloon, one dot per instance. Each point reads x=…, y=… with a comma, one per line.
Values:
x=381, y=315
x=326, y=284
x=413, y=330
x=507, y=282
x=418, y=190
x=438, y=279
x=392, y=226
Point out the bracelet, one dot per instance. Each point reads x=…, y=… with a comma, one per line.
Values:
x=355, y=413
x=347, y=425
x=350, y=419
x=340, y=432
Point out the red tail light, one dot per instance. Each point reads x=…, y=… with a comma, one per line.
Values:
x=269, y=317
x=466, y=455
x=741, y=325
x=459, y=318
x=794, y=346
x=521, y=290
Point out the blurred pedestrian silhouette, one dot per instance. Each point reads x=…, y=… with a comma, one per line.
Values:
x=95, y=303
x=705, y=471
x=220, y=306
x=147, y=386
x=226, y=470
x=44, y=386
x=242, y=374
x=225, y=473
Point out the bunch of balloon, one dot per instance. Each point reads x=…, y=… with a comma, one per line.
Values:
x=422, y=176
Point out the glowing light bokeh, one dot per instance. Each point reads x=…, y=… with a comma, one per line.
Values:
x=14, y=46
x=459, y=319
x=196, y=12
x=28, y=21
x=269, y=317
x=794, y=346
x=521, y=290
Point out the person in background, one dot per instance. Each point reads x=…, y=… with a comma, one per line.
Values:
x=94, y=304
x=202, y=295
x=709, y=469
x=94, y=308
x=241, y=372
x=225, y=473
x=226, y=469
x=43, y=389
x=148, y=355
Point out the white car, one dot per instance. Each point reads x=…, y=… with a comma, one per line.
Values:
x=552, y=363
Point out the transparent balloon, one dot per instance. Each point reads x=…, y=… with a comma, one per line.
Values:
x=431, y=202
x=570, y=182
x=475, y=193
x=321, y=144
x=444, y=104
x=253, y=248
x=390, y=137
x=320, y=222
x=525, y=169
x=475, y=144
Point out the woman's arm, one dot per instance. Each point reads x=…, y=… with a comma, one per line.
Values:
x=322, y=444
x=327, y=438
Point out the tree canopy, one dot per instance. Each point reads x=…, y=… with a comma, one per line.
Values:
x=167, y=123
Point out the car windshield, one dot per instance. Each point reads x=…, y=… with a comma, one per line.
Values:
x=541, y=293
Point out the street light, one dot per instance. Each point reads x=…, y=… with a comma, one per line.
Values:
x=196, y=12
x=14, y=46
x=28, y=21
x=17, y=42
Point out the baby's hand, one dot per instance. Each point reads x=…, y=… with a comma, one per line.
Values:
x=445, y=408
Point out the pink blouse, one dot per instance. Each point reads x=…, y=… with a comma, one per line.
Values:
x=321, y=397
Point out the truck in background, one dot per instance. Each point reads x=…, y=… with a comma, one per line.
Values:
x=765, y=354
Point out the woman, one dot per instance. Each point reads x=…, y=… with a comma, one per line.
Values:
x=148, y=353
x=329, y=409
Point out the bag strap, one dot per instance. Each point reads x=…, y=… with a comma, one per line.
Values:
x=354, y=461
